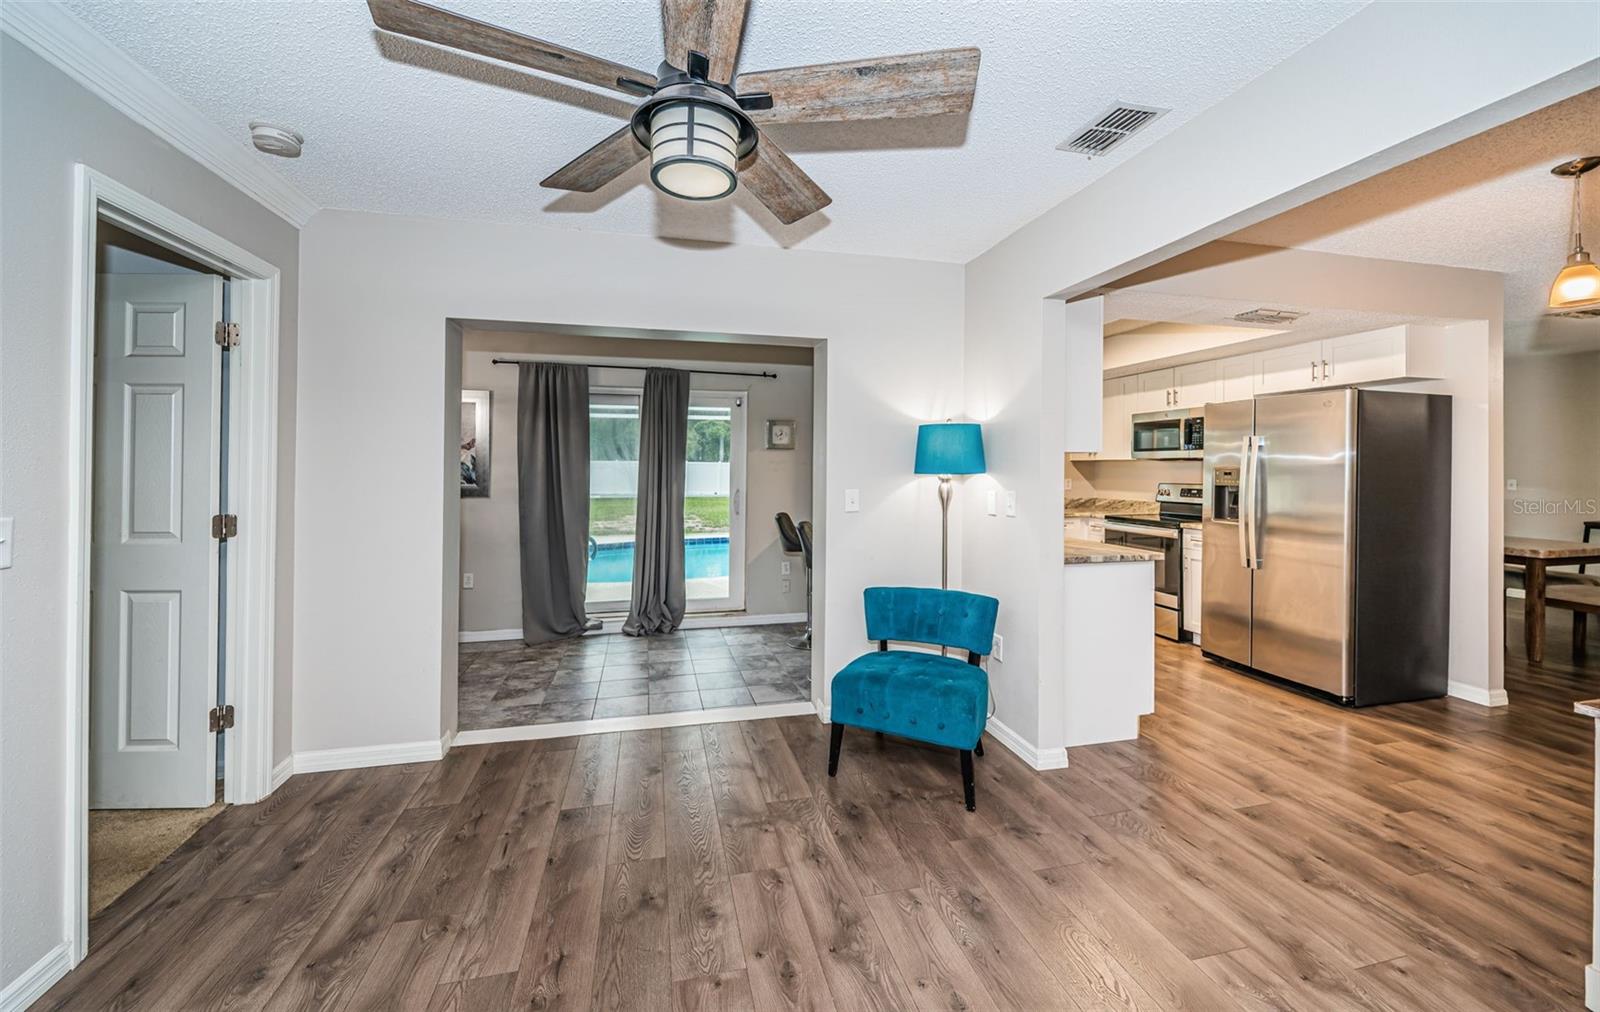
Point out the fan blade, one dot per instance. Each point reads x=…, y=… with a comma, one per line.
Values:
x=430, y=24
x=712, y=27
x=599, y=165
x=889, y=87
x=778, y=183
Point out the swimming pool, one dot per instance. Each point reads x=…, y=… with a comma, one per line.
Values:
x=703, y=557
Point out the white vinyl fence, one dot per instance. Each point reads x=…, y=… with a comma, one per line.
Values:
x=621, y=478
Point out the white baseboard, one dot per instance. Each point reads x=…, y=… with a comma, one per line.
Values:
x=644, y=721
x=33, y=982
x=1591, y=988
x=1477, y=694
x=614, y=628
x=281, y=772
x=362, y=756
x=1039, y=759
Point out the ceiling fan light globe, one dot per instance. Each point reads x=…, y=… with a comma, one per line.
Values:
x=1578, y=284
x=693, y=150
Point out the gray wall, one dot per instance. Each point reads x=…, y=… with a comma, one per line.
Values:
x=1552, y=444
x=776, y=479
x=48, y=123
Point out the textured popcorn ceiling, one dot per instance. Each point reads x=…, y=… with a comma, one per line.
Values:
x=398, y=126
x=1488, y=202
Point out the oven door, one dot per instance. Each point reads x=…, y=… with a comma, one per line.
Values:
x=1167, y=541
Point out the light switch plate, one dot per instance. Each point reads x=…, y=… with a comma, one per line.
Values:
x=786, y=565
x=6, y=524
x=1011, y=504
x=784, y=586
x=466, y=581
x=852, y=500
x=989, y=503
x=1511, y=484
x=999, y=651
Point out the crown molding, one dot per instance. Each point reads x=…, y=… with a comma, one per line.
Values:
x=86, y=57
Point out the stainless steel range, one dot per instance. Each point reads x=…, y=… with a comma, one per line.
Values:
x=1178, y=504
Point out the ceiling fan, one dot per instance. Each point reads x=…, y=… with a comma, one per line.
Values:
x=703, y=134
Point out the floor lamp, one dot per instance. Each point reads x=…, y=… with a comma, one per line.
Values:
x=948, y=449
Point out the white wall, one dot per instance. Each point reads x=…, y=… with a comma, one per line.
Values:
x=776, y=479
x=376, y=292
x=48, y=123
x=1426, y=80
x=1552, y=444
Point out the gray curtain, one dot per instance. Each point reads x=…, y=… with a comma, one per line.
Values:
x=553, y=498
x=658, y=588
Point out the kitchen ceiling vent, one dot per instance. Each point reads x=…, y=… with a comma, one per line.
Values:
x=1109, y=129
x=1277, y=317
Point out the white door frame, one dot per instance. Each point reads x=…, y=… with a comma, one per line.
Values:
x=738, y=500
x=253, y=453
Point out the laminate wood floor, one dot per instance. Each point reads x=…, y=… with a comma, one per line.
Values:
x=1254, y=849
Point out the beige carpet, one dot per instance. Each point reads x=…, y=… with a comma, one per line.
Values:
x=125, y=845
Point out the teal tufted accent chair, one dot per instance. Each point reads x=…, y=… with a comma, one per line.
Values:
x=925, y=696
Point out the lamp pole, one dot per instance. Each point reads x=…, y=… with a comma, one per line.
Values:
x=944, y=532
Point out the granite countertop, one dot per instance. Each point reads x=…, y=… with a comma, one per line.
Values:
x=1075, y=552
x=1097, y=507
x=1588, y=707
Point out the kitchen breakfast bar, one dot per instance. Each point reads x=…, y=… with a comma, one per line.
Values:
x=1109, y=629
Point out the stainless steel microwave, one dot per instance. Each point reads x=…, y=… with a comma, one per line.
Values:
x=1178, y=434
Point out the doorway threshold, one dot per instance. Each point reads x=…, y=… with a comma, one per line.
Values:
x=613, y=624
x=641, y=722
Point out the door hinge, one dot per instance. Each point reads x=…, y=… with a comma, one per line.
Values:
x=221, y=718
x=227, y=335
x=224, y=526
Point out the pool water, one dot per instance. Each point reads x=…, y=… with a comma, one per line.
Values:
x=703, y=557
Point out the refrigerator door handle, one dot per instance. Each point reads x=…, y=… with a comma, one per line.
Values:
x=1243, y=526
x=1253, y=470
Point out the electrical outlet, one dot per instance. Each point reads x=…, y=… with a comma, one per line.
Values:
x=786, y=565
x=999, y=651
x=1011, y=504
x=1068, y=484
x=852, y=500
x=989, y=503
x=784, y=586
x=466, y=581
x=5, y=542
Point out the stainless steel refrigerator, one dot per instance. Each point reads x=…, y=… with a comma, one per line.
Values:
x=1327, y=541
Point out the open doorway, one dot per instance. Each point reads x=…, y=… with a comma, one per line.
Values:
x=747, y=458
x=169, y=597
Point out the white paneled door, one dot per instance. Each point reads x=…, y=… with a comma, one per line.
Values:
x=153, y=640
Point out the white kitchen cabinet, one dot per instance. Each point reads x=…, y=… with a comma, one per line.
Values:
x=1096, y=530
x=1154, y=391
x=1195, y=384
x=1236, y=378
x=1365, y=358
x=1084, y=528
x=1293, y=368
x=1117, y=428
x=1193, y=556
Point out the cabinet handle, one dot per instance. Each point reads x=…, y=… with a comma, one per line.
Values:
x=1324, y=370
x=1313, y=370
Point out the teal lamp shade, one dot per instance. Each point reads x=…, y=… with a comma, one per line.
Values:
x=950, y=448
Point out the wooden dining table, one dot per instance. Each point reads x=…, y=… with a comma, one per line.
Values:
x=1535, y=555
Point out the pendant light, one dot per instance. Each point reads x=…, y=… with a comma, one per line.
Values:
x=1577, y=286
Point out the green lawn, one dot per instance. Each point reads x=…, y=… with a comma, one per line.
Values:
x=613, y=515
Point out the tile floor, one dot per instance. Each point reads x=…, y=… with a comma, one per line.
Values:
x=505, y=684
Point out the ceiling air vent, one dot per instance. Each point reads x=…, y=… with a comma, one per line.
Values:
x=1109, y=129
x=1280, y=317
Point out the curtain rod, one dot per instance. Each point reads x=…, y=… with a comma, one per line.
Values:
x=608, y=365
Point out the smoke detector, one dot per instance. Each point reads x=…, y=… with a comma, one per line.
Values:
x=1110, y=129
x=1276, y=317
x=275, y=140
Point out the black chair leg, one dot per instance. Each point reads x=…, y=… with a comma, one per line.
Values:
x=967, y=781
x=977, y=749
x=835, y=739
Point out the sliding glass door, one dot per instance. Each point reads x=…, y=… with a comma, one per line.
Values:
x=613, y=498
x=713, y=502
